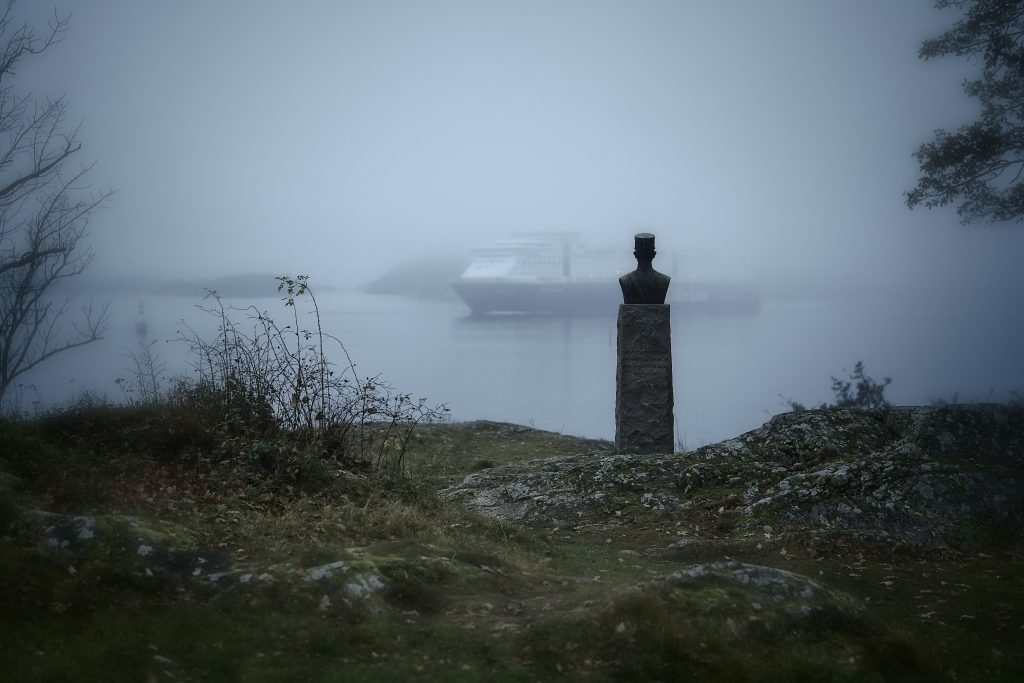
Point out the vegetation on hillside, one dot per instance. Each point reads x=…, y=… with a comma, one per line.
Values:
x=273, y=387
x=858, y=390
x=278, y=517
x=141, y=544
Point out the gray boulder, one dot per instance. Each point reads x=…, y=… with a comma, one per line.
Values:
x=941, y=477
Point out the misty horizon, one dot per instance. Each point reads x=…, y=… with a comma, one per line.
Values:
x=338, y=139
x=344, y=139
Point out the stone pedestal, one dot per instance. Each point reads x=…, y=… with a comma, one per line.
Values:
x=643, y=380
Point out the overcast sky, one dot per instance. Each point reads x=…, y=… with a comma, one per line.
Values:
x=334, y=137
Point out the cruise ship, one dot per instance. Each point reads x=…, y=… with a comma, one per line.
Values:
x=560, y=273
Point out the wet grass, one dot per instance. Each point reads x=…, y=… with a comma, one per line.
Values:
x=465, y=598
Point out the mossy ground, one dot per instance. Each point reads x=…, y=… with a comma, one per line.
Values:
x=422, y=588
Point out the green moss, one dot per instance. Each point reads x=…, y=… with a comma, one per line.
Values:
x=708, y=632
x=459, y=597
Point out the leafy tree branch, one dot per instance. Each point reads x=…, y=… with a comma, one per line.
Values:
x=980, y=166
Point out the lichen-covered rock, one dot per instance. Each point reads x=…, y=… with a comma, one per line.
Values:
x=161, y=555
x=127, y=544
x=767, y=598
x=942, y=476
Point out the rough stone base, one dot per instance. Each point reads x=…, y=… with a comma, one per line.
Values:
x=643, y=380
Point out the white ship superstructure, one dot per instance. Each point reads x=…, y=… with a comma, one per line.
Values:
x=558, y=272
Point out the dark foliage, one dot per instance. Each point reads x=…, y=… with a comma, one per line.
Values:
x=980, y=165
x=858, y=390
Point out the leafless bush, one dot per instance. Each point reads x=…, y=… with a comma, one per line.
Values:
x=263, y=379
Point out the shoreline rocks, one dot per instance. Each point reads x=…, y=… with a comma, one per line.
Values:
x=945, y=477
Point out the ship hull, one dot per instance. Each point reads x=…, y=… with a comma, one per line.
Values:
x=500, y=296
x=594, y=297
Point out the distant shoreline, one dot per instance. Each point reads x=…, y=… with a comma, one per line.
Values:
x=246, y=286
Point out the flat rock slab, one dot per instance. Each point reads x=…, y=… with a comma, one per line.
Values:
x=941, y=477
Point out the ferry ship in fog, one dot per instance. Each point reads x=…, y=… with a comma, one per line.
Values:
x=560, y=273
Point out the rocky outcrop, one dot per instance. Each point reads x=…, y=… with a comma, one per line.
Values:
x=941, y=477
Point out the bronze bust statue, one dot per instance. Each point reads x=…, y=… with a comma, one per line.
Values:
x=644, y=285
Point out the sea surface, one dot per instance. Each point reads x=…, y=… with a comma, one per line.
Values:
x=731, y=371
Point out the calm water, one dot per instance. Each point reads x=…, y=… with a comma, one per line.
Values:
x=559, y=374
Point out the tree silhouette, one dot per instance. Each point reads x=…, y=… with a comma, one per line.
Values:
x=981, y=164
x=45, y=207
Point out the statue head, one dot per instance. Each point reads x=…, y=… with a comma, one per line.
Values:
x=644, y=285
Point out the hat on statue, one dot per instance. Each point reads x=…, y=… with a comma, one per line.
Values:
x=644, y=243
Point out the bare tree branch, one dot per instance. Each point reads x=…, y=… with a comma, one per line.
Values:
x=44, y=215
